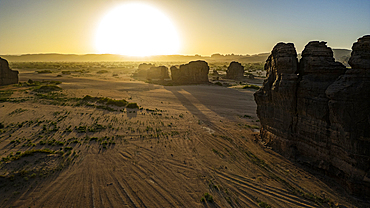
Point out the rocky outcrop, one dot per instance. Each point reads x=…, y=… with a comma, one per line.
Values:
x=195, y=72
x=142, y=70
x=275, y=104
x=318, y=112
x=160, y=72
x=235, y=71
x=349, y=117
x=7, y=76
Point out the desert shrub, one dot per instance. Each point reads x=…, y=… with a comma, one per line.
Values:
x=48, y=88
x=264, y=205
x=18, y=110
x=251, y=87
x=208, y=197
x=66, y=72
x=105, y=100
x=218, y=83
x=132, y=105
x=119, y=103
x=44, y=71
x=81, y=129
x=102, y=72
x=1, y=126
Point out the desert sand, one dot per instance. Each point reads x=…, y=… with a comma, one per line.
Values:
x=183, y=142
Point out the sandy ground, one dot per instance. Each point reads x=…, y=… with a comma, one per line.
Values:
x=185, y=141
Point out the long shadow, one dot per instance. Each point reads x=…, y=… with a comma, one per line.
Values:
x=225, y=102
x=188, y=104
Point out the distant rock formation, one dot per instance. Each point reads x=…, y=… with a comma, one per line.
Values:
x=195, y=72
x=7, y=76
x=144, y=66
x=160, y=72
x=318, y=112
x=235, y=71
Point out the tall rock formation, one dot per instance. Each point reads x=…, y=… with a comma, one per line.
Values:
x=235, y=71
x=160, y=72
x=195, y=72
x=7, y=76
x=349, y=116
x=275, y=104
x=318, y=112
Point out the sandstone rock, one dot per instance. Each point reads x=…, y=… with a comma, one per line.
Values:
x=349, y=115
x=318, y=111
x=7, y=76
x=235, y=71
x=317, y=71
x=160, y=72
x=195, y=72
x=275, y=104
x=142, y=70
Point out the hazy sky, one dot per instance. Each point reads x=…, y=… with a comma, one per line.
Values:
x=205, y=26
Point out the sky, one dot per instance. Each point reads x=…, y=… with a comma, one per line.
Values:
x=204, y=27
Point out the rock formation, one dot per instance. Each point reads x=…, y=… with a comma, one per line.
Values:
x=142, y=70
x=235, y=71
x=195, y=72
x=7, y=76
x=160, y=72
x=318, y=112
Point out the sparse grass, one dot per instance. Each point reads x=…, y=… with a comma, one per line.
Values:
x=264, y=204
x=207, y=197
x=44, y=71
x=48, y=88
x=250, y=86
x=218, y=153
x=17, y=111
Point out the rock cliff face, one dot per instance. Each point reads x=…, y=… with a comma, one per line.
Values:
x=195, y=72
x=7, y=76
x=318, y=112
x=160, y=72
x=235, y=71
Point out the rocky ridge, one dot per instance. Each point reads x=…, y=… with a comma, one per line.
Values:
x=317, y=111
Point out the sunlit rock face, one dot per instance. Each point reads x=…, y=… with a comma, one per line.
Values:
x=195, y=72
x=160, y=72
x=235, y=71
x=318, y=112
x=7, y=76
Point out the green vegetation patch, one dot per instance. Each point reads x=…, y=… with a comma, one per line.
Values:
x=105, y=100
x=48, y=88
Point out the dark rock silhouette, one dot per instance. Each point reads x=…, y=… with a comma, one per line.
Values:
x=160, y=72
x=195, y=72
x=318, y=112
x=235, y=71
x=7, y=76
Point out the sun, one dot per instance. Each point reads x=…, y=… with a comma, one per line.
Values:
x=136, y=29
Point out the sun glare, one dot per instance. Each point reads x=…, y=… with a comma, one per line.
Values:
x=137, y=29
